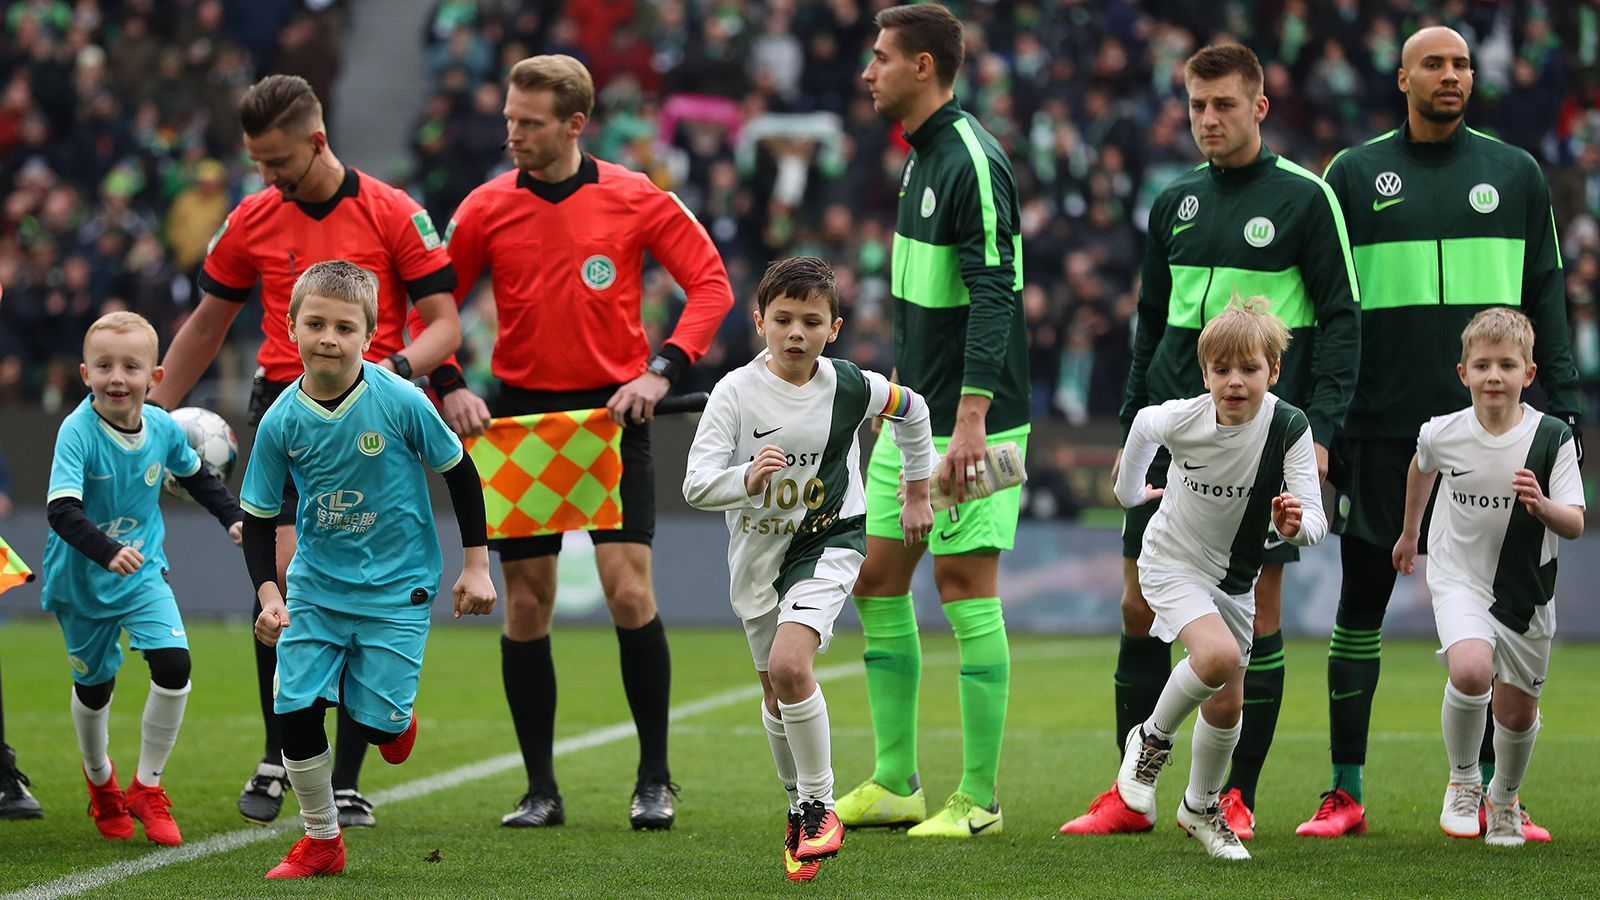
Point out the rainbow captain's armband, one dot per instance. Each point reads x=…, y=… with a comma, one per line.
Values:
x=899, y=402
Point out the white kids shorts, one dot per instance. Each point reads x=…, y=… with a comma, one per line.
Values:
x=1178, y=598
x=812, y=602
x=1520, y=660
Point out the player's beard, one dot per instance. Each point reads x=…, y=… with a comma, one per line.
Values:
x=1433, y=113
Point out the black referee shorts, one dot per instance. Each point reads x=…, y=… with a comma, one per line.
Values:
x=638, y=472
x=262, y=395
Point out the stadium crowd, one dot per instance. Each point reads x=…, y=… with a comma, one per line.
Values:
x=120, y=151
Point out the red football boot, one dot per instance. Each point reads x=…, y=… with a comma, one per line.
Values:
x=1338, y=815
x=311, y=856
x=109, y=809
x=1109, y=815
x=396, y=751
x=149, y=805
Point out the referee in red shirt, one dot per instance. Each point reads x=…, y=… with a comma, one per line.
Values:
x=563, y=236
x=314, y=209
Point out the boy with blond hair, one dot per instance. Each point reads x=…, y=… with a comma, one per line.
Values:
x=1240, y=457
x=1511, y=489
x=105, y=567
x=355, y=438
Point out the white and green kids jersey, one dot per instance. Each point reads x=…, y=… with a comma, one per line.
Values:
x=810, y=521
x=1482, y=539
x=1220, y=485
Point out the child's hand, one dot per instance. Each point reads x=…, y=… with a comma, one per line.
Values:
x=126, y=562
x=236, y=531
x=1152, y=493
x=474, y=592
x=1286, y=514
x=916, y=512
x=768, y=462
x=1404, y=555
x=273, y=620
x=1526, y=484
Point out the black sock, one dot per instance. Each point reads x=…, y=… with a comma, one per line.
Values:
x=349, y=751
x=647, y=680
x=1143, y=665
x=1263, y=698
x=529, y=674
x=1354, y=653
x=1486, y=749
x=266, y=670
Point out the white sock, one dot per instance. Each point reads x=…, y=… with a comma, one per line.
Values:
x=1182, y=695
x=778, y=741
x=312, y=780
x=806, y=726
x=158, y=730
x=1211, y=749
x=94, y=736
x=1512, y=750
x=1463, y=722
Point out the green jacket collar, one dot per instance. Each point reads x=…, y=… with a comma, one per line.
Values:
x=1435, y=150
x=941, y=117
x=1265, y=161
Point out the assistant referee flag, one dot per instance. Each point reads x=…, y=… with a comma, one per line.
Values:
x=550, y=472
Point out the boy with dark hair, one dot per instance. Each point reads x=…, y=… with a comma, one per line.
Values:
x=796, y=518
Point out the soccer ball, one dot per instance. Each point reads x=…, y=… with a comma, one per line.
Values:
x=212, y=437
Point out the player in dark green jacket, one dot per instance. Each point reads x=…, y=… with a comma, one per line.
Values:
x=959, y=341
x=1443, y=221
x=1246, y=223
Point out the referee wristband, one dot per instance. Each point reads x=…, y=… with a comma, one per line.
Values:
x=665, y=366
x=445, y=379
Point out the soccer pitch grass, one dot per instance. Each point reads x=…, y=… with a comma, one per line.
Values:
x=1058, y=755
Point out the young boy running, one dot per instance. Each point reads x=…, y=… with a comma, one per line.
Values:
x=105, y=567
x=777, y=450
x=1239, y=457
x=1511, y=488
x=355, y=437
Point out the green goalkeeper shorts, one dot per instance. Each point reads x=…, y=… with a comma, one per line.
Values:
x=977, y=526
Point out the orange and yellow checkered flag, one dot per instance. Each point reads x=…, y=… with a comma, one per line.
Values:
x=13, y=571
x=550, y=472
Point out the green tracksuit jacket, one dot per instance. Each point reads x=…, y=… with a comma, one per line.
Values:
x=1269, y=228
x=957, y=273
x=1439, y=231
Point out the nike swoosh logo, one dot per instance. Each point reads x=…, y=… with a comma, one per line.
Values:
x=1192, y=467
x=1380, y=207
x=1251, y=701
x=798, y=606
x=400, y=717
x=1180, y=229
x=299, y=450
x=93, y=477
x=948, y=536
x=790, y=863
x=758, y=435
x=977, y=828
x=821, y=839
x=177, y=632
x=1346, y=695
x=1456, y=474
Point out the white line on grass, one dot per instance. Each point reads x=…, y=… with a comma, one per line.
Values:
x=112, y=873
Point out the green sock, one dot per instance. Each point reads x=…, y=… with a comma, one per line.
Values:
x=1263, y=698
x=893, y=658
x=1347, y=778
x=985, y=686
x=1143, y=666
x=1354, y=660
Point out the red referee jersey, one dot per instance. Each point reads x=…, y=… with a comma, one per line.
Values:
x=566, y=259
x=273, y=240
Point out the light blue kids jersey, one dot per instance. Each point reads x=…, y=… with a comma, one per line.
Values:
x=118, y=478
x=366, y=540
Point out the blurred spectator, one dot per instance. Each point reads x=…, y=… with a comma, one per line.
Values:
x=196, y=213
